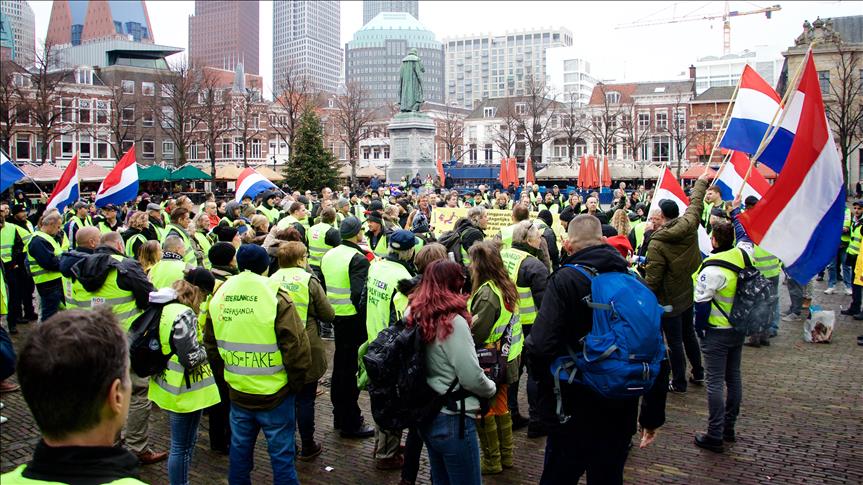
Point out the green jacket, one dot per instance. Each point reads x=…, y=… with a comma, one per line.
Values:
x=673, y=255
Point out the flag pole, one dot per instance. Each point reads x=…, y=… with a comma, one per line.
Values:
x=723, y=127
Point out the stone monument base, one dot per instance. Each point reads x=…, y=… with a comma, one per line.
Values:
x=411, y=146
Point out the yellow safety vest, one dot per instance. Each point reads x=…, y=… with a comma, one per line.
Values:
x=768, y=264
x=639, y=235
x=512, y=259
x=334, y=267
x=381, y=248
x=189, y=256
x=296, y=282
x=206, y=245
x=243, y=311
x=164, y=273
x=318, y=246
x=846, y=223
x=381, y=292
x=130, y=244
x=724, y=298
x=287, y=221
x=506, y=235
x=7, y=240
x=854, y=245
x=39, y=274
x=177, y=389
x=500, y=324
x=272, y=214
x=16, y=477
x=104, y=228
x=121, y=302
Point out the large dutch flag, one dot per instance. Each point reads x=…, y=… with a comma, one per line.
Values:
x=730, y=181
x=667, y=187
x=66, y=191
x=250, y=183
x=9, y=173
x=121, y=183
x=800, y=218
x=754, y=110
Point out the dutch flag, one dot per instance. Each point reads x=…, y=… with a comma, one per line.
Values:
x=250, y=183
x=754, y=109
x=121, y=183
x=9, y=173
x=730, y=181
x=66, y=192
x=800, y=218
x=667, y=187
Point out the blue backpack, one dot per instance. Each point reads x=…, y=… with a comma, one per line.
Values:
x=621, y=355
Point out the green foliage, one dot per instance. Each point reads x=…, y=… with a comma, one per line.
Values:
x=311, y=166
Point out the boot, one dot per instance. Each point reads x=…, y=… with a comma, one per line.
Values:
x=488, y=441
x=504, y=433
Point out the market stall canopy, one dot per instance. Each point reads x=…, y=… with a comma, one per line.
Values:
x=362, y=172
x=189, y=172
x=269, y=174
x=695, y=171
x=225, y=172
x=92, y=173
x=634, y=171
x=557, y=172
x=153, y=173
x=41, y=173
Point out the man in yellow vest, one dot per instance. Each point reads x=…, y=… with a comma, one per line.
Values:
x=108, y=222
x=851, y=256
x=519, y=213
x=179, y=226
x=254, y=337
x=296, y=216
x=43, y=257
x=323, y=236
x=13, y=240
x=79, y=219
x=376, y=236
x=78, y=342
x=384, y=306
x=172, y=265
x=530, y=276
x=269, y=206
x=345, y=269
x=722, y=345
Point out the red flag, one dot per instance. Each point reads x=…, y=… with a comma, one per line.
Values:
x=440, y=172
x=531, y=176
x=606, y=175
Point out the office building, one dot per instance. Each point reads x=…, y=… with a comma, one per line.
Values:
x=77, y=21
x=493, y=66
x=223, y=33
x=371, y=8
x=18, y=18
x=307, y=42
x=569, y=78
x=712, y=71
x=374, y=56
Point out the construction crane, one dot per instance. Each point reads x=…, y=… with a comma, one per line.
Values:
x=726, y=17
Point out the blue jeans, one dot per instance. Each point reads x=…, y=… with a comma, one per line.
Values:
x=278, y=425
x=184, y=435
x=452, y=460
x=51, y=296
x=832, y=273
x=306, y=413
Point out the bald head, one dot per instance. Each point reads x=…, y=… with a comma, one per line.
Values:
x=174, y=244
x=113, y=240
x=87, y=237
x=584, y=231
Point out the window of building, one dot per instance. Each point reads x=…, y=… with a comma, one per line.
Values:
x=386, y=152
x=239, y=148
x=661, y=120
x=148, y=148
x=520, y=108
x=128, y=115
x=101, y=113
x=101, y=149
x=167, y=120
x=22, y=116
x=128, y=87
x=627, y=151
x=193, y=150
x=126, y=145
x=488, y=112
x=148, y=89
x=256, y=148
x=67, y=146
x=168, y=148
x=226, y=148
x=472, y=152
x=84, y=75
x=22, y=147
x=643, y=121
x=488, y=152
x=85, y=112
x=85, y=147
x=644, y=151
x=661, y=149
x=612, y=97
x=67, y=110
x=704, y=124
x=148, y=118
x=680, y=119
x=824, y=81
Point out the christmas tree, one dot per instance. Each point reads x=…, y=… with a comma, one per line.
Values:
x=311, y=166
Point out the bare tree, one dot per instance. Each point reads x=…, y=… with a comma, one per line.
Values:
x=10, y=103
x=633, y=135
x=247, y=119
x=292, y=93
x=571, y=127
x=677, y=129
x=176, y=107
x=122, y=114
x=604, y=125
x=845, y=103
x=352, y=121
x=450, y=129
x=505, y=134
x=214, y=107
x=534, y=118
x=49, y=111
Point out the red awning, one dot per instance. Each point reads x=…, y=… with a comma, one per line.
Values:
x=695, y=171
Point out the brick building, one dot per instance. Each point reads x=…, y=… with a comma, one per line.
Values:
x=706, y=113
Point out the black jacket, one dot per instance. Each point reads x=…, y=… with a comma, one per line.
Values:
x=563, y=320
x=532, y=274
x=81, y=465
x=92, y=272
x=553, y=251
x=136, y=246
x=469, y=233
x=71, y=258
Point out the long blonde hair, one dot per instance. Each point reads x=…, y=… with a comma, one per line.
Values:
x=620, y=222
x=149, y=254
x=189, y=294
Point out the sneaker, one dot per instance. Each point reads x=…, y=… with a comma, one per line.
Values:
x=3, y=419
x=848, y=291
x=830, y=291
x=792, y=317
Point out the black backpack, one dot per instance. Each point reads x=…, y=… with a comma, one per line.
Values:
x=396, y=369
x=451, y=240
x=754, y=300
x=145, y=347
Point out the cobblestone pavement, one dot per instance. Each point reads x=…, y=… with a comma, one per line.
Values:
x=801, y=423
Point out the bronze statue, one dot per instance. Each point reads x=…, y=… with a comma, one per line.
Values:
x=410, y=83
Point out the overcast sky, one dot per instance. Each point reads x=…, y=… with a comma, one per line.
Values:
x=636, y=54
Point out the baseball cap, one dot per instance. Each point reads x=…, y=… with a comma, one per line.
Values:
x=402, y=240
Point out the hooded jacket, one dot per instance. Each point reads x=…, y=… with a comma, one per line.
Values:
x=71, y=258
x=563, y=320
x=673, y=255
x=469, y=233
x=93, y=270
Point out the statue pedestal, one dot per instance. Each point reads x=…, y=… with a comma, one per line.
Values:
x=411, y=146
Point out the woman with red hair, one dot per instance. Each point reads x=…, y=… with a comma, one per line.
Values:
x=439, y=308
